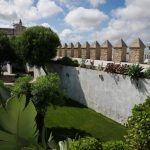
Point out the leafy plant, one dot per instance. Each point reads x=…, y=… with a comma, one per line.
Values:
x=67, y=62
x=62, y=145
x=65, y=145
x=115, y=145
x=46, y=91
x=135, y=71
x=22, y=87
x=17, y=125
x=116, y=68
x=87, y=143
x=147, y=73
x=138, y=127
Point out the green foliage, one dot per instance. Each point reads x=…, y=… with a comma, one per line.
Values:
x=135, y=71
x=17, y=125
x=38, y=45
x=46, y=91
x=138, y=127
x=22, y=87
x=17, y=45
x=116, y=68
x=87, y=143
x=115, y=145
x=147, y=73
x=6, y=51
x=67, y=62
x=4, y=93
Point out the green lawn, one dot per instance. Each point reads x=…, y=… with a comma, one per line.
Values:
x=68, y=121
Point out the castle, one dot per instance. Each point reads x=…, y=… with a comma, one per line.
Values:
x=17, y=29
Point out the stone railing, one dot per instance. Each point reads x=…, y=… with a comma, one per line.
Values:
x=106, y=52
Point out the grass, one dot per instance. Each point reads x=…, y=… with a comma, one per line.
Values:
x=67, y=121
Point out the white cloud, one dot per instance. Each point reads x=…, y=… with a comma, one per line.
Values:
x=45, y=24
x=65, y=33
x=85, y=19
x=129, y=22
x=47, y=8
x=70, y=36
x=97, y=2
x=15, y=9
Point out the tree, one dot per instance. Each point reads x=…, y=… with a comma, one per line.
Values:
x=38, y=45
x=6, y=51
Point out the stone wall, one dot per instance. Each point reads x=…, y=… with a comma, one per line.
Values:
x=112, y=95
x=104, y=51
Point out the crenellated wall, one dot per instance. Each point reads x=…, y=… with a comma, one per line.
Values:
x=105, y=51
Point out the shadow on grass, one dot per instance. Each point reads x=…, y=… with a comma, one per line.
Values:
x=71, y=103
x=60, y=134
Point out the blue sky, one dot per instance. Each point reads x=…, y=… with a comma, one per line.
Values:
x=82, y=20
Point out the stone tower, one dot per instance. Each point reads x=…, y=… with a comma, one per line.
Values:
x=70, y=50
x=77, y=50
x=64, y=50
x=106, y=51
x=137, y=51
x=85, y=51
x=18, y=28
x=120, y=51
x=95, y=51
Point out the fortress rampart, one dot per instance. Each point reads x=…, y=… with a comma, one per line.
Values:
x=106, y=51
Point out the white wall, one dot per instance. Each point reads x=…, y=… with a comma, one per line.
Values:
x=110, y=94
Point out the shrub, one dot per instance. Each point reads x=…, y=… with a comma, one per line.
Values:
x=46, y=91
x=135, y=71
x=115, y=145
x=147, y=73
x=68, y=62
x=22, y=87
x=87, y=143
x=116, y=68
x=138, y=127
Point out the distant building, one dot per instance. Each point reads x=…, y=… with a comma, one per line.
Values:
x=17, y=29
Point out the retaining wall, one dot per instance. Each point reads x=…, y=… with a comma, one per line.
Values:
x=112, y=95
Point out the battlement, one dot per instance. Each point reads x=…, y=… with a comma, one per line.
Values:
x=106, y=51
